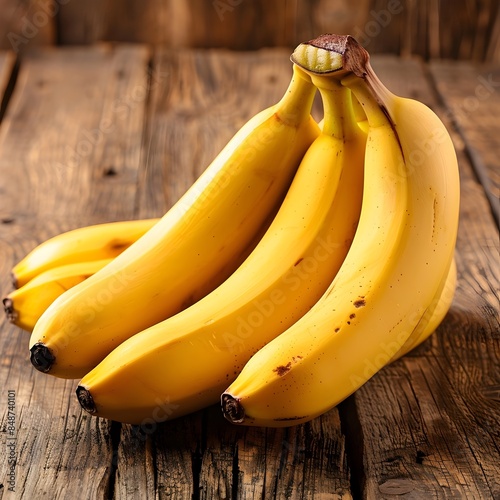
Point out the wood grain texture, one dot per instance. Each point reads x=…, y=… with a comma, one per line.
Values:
x=58, y=451
x=86, y=109
x=459, y=29
x=422, y=427
x=471, y=94
x=302, y=462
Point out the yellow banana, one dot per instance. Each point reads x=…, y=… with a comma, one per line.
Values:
x=195, y=246
x=400, y=254
x=184, y=363
x=96, y=242
x=434, y=314
x=25, y=305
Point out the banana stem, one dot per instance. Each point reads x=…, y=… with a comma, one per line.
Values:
x=359, y=112
x=375, y=113
x=339, y=120
x=384, y=96
x=296, y=103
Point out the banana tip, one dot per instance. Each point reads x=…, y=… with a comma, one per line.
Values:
x=86, y=400
x=41, y=357
x=232, y=409
x=8, y=307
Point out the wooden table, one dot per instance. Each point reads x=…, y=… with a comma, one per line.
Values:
x=110, y=132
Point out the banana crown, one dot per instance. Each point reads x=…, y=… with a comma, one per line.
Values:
x=331, y=53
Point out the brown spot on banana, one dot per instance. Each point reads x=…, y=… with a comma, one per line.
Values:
x=283, y=369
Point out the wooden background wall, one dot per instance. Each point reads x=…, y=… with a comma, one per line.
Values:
x=457, y=29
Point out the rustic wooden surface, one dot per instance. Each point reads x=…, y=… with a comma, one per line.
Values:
x=111, y=132
x=457, y=29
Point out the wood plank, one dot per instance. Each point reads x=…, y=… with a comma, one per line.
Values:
x=61, y=97
x=160, y=460
x=80, y=153
x=53, y=443
x=306, y=461
x=434, y=436
x=471, y=93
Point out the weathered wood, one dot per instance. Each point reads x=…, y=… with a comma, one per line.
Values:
x=302, y=462
x=471, y=94
x=85, y=110
x=423, y=427
x=57, y=451
x=160, y=460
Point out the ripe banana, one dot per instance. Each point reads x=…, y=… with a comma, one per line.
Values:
x=398, y=259
x=184, y=363
x=96, y=242
x=25, y=305
x=434, y=314
x=195, y=246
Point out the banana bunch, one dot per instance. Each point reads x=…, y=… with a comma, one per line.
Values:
x=301, y=262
